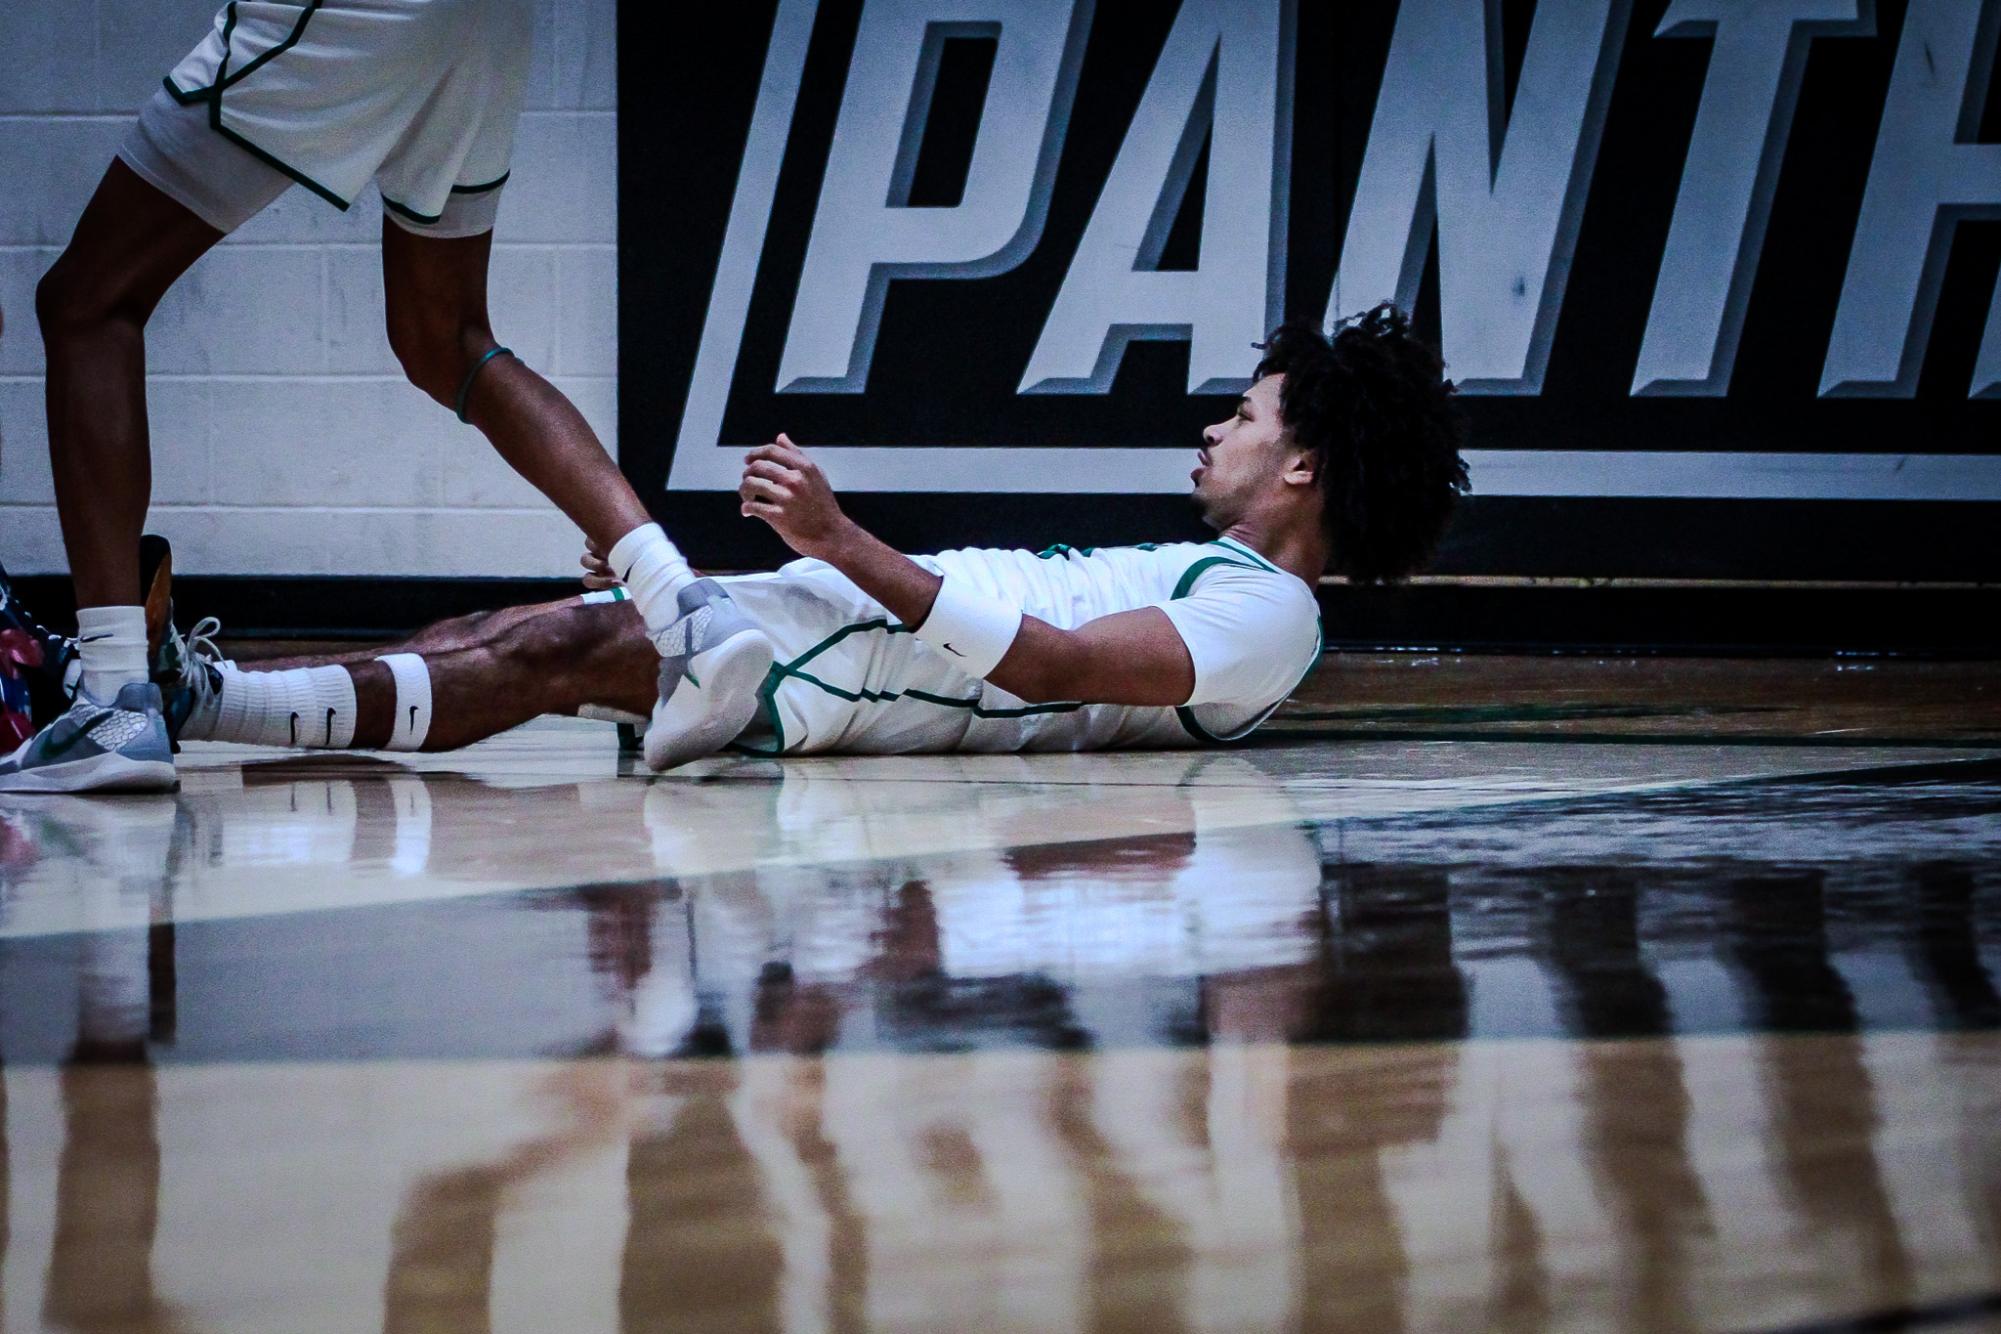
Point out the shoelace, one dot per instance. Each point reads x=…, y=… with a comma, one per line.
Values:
x=201, y=642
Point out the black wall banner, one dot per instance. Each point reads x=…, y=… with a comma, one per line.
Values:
x=1717, y=279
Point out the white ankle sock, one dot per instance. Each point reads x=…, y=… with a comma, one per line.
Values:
x=653, y=571
x=111, y=643
x=305, y=706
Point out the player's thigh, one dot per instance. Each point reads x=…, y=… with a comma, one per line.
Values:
x=176, y=148
x=444, y=176
x=433, y=286
x=131, y=244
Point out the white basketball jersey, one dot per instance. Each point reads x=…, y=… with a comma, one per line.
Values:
x=850, y=677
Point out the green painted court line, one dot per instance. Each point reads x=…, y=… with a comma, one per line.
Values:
x=1842, y=739
x=1526, y=713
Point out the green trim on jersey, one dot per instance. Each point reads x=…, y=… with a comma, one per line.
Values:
x=1184, y=713
x=223, y=79
x=1194, y=572
x=277, y=164
x=767, y=694
x=1232, y=544
x=1065, y=550
x=412, y=214
x=482, y=188
x=290, y=40
x=428, y=218
x=979, y=711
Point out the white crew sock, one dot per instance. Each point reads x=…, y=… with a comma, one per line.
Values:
x=111, y=644
x=304, y=706
x=653, y=572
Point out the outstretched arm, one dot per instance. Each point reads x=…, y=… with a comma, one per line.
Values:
x=1132, y=657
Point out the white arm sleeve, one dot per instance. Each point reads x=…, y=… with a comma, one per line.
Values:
x=1251, y=634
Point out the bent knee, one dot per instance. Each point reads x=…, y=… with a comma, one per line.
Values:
x=436, y=351
x=555, y=640
x=70, y=300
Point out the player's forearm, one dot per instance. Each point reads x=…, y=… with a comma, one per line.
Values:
x=1043, y=663
x=899, y=583
x=1041, y=658
x=1127, y=658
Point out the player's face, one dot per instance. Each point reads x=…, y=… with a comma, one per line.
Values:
x=1241, y=455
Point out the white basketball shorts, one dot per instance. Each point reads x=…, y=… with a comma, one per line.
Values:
x=419, y=96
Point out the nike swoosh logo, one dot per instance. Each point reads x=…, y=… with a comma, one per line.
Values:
x=93, y=639
x=295, y=729
x=62, y=745
x=954, y=652
x=413, y=718
x=330, y=718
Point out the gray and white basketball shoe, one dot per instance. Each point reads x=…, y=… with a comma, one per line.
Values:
x=712, y=660
x=116, y=747
x=188, y=669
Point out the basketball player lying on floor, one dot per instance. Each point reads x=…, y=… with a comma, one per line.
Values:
x=1342, y=455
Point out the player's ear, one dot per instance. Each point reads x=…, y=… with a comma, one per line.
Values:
x=1302, y=466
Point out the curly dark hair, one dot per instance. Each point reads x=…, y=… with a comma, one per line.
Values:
x=1373, y=404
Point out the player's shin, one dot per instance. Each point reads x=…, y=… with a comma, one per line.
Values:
x=321, y=708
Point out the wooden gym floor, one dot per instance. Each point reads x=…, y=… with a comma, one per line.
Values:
x=1481, y=992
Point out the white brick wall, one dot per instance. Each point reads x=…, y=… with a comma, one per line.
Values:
x=284, y=438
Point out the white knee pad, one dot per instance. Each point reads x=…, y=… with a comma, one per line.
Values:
x=413, y=701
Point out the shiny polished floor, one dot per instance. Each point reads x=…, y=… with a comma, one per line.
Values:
x=1483, y=993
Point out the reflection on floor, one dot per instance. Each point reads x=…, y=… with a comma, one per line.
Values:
x=1833, y=701
x=1700, y=1182
x=1527, y=1032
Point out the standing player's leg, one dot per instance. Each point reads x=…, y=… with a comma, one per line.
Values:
x=435, y=295
x=129, y=247
x=135, y=238
x=434, y=289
